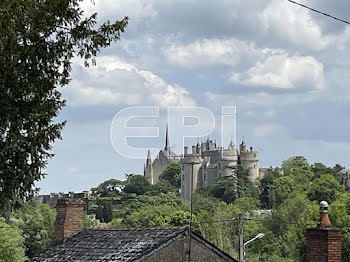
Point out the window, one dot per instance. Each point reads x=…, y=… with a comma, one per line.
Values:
x=219, y=174
x=219, y=165
x=254, y=165
x=254, y=155
x=183, y=167
x=183, y=177
x=204, y=177
x=205, y=167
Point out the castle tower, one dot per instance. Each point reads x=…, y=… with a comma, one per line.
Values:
x=149, y=169
x=250, y=159
x=190, y=165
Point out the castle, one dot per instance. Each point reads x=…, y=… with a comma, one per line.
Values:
x=207, y=162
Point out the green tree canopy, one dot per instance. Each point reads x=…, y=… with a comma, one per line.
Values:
x=172, y=174
x=37, y=225
x=282, y=189
x=136, y=184
x=11, y=243
x=326, y=188
x=108, y=188
x=38, y=40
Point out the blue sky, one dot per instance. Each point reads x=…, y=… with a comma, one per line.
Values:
x=284, y=68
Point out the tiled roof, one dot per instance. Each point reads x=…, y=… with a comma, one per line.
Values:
x=110, y=244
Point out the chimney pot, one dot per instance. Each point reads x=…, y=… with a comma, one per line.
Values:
x=324, y=219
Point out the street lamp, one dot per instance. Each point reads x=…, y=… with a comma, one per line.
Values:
x=258, y=236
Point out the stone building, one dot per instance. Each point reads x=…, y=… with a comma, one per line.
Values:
x=153, y=170
x=345, y=178
x=207, y=162
x=161, y=244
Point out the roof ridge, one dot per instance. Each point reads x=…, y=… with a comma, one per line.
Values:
x=135, y=228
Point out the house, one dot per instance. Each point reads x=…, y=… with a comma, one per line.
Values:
x=128, y=244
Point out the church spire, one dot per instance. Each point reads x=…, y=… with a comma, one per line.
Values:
x=167, y=139
x=149, y=160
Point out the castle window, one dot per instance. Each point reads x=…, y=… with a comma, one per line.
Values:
x=254, y=165
x=183, y=167
x=254, y=155
x=183, y=177
x=219, y=174
x=204, y=177
x=219, y=165
x=205, y=167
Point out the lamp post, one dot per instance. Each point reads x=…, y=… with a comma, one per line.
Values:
x=258, y=236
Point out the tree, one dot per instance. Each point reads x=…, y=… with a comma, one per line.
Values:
x=11, y=243
x=282, y=189
x=38, y=40
x=37, y=225
x=265, y=184
x=326, y=188
x=299, y=168
x=136, y=184
x=172, y=174
x=108, y=188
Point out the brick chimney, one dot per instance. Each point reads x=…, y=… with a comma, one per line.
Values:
x=69, y=219
x=323, y=243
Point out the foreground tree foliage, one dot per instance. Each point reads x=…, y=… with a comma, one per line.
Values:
x=38, y=39
x=36, y=222
x=11, y=243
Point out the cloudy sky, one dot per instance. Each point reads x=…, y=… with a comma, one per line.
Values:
x=285, y=68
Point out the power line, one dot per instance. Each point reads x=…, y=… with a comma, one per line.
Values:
x=314, y=10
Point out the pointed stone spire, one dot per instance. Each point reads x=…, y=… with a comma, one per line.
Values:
x=167, y=148
x=149, y=168
x=149, y=160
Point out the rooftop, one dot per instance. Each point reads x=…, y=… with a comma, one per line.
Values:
x=130, y=244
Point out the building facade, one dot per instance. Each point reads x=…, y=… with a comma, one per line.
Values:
x=153, y=170
x=207, y=162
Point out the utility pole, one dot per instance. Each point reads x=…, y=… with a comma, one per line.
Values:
x=190, y=229
x=240, y=239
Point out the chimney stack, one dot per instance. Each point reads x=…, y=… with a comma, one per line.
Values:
x=186, y=150
x=323, y=243
x=194, y=150
x=69, y=218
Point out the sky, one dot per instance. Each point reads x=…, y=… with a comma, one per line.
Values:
x=284, y=68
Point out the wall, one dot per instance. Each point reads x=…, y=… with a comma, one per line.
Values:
x=178, y=251
x=323, y=245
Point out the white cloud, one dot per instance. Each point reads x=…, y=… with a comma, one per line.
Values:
x=294, y=24
x=284, y=72
x=209, y=52
x=114, y=82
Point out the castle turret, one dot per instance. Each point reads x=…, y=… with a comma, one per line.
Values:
x=149, y=168
x=242, y=146
x=250, y=159
x=190, y=165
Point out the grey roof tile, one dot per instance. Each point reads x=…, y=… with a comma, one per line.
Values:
x=109, y=244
